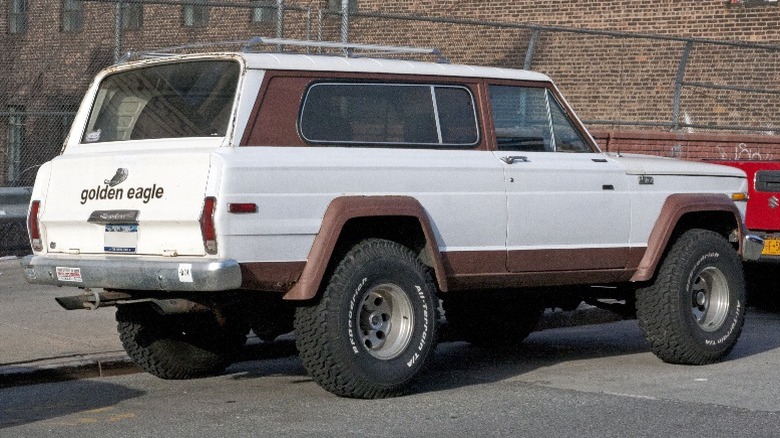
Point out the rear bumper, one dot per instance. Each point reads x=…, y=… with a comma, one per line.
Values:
x=133, y=273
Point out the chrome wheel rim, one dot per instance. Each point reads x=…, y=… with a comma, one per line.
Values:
x=710, y=299
x=385, y=321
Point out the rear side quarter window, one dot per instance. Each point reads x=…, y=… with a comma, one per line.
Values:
x=414, y=115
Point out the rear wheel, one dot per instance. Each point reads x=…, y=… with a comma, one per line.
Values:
x=374, y=328
x=182, y=346
x=694, y=311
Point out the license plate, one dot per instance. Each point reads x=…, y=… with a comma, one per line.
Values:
x=771, y=246
x=120, y=238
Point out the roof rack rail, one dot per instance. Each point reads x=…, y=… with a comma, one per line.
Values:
x=347, y=49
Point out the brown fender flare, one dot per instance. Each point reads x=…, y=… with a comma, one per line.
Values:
x=675, y=207
x=345, y=208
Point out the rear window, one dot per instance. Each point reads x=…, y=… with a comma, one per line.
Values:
x=389, y=114
x=190, y=99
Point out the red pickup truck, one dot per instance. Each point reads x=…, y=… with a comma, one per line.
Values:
x=763, y=219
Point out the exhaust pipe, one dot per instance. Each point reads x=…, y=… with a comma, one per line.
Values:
x=91, y=300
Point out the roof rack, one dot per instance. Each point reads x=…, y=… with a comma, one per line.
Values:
x=247, y=46
x=348, y=49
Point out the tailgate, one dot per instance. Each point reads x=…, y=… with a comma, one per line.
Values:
x=147, y=203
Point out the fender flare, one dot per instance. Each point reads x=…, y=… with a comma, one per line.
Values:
x=675, y=207
x=345, y=208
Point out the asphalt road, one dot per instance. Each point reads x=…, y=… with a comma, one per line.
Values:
x=588, y=381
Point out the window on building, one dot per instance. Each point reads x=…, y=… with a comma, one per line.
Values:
x=335, y=5
x=72, y=15
x=16, y=133
x=264, y=12
x=132, y=15
x=195, y=14
x=17, y=16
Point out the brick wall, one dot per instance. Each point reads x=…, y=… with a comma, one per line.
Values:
x=605, y=78
x=690, y=146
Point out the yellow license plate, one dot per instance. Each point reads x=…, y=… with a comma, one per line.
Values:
x=771, y=247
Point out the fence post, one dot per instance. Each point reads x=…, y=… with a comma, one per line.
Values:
x=118, y=31
x=280, y=19
x=678, y=84
x=529, y=53
x=345, y=21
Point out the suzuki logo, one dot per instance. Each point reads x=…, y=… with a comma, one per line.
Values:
x=773, y=202
x=118, y=178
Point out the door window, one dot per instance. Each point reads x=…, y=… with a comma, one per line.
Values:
x=531, y=119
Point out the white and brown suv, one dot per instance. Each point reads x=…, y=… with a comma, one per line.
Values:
x=205, y=194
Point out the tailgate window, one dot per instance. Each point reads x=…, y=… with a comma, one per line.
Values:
x=187, y=99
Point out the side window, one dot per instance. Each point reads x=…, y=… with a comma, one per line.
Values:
x=567, y=137
x=530, y=119
x=388, y=114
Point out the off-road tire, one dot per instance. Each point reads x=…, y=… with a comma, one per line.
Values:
x=491, y=319
x=178, y=346
x=374, y=328
x=694, y=311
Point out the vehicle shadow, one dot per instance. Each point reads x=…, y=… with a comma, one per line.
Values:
x=457, y=364
x=29, y=404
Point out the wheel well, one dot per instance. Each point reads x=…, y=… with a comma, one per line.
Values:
x=401, y=229
x=721, y=222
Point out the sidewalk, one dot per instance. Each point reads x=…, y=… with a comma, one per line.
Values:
x=42, y=341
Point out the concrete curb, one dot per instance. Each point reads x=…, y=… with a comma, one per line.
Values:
x=58, y=369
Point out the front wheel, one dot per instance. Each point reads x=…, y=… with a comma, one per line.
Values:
x=374, y=327
x=694, y=311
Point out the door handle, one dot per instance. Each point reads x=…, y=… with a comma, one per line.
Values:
x=511, y=159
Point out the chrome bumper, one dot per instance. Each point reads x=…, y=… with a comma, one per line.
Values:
x=752, y=246
x=133, y=273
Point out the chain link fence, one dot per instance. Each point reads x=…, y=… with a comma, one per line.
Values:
x=614, y=80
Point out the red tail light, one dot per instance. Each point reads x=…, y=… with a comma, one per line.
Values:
x=207, y=229
x=33, y=226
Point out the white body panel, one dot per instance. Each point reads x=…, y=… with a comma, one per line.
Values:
x=165, y=187
x=460, y=190
x=552, y=199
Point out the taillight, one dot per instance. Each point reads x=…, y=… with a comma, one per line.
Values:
x=207, y=229
x=33, y=226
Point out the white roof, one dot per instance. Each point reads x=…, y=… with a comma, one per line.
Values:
x=376, y=65
x=307, y=62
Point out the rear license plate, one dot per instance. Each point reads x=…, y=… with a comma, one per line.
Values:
x=120, y=238
x=771, y=246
